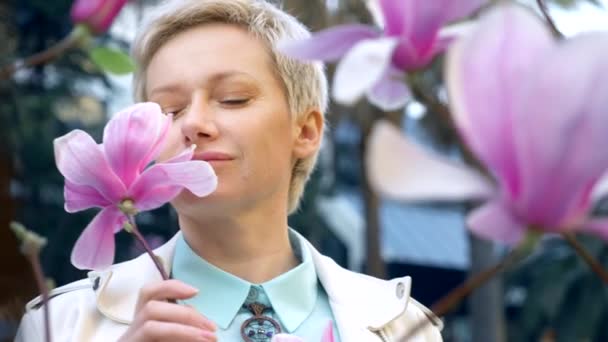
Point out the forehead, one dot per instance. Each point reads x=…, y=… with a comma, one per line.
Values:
x=202, y=52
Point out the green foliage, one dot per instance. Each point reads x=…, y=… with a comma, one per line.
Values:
x=112, y=60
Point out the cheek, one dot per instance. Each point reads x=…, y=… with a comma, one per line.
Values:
x=275, y=146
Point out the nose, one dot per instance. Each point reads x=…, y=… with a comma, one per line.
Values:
x=198, y=123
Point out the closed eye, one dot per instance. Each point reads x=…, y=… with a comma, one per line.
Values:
x=175, y=112
x=235, y=102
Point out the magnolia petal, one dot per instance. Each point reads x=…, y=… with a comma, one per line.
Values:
x=418, y=21
x=390, y=92
x=103, y=20
x=458, y=9
x=396, y=15
x=82, y=162
x=329, y=44
x=81, y=197
x=424, y=19
x=98, y=14
x=494, y=222
x=184, y=156
x=597, y=227
x=132, y=138
x=328, y=333
x=84, y=9
x=286, y=338
x=162, y=182
x=399, y=169
x=94, y=249
x=407, y=57
x=160, y=142
x=484, y=75
x=569, y=108
x=417, y=24
x=448, y=35
x=361, y=68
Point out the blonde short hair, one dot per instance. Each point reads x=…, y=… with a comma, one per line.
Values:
x=305, y=83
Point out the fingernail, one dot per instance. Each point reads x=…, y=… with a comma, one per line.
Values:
x=191, y=288
x=208, y=336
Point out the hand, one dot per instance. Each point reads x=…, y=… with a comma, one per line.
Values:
x=158, y=320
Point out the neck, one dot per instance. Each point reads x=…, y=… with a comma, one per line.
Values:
x=251, y=244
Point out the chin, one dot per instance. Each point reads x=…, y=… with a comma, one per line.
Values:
x=217, y=201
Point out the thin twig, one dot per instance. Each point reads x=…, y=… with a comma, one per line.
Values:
x=142, y=241
x=147, y=248
x=449, y=301
x=589, y=259
x=44, y=292
x=31, y=244
x=545, y=11
x=43, y=57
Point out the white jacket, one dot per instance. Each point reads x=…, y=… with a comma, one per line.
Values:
x=99, y=308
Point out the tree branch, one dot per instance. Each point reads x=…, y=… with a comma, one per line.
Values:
x=589, y=259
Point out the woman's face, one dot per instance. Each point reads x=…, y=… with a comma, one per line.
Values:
x=218, y=81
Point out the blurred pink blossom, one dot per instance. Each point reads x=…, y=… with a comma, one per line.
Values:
x=374, y=62
x=97, y=15
x=534, y=111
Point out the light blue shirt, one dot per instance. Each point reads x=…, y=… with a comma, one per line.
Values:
x=299, y=302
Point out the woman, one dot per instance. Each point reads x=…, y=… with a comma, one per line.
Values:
x=257, y=117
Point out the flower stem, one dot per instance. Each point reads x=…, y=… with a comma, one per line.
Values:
x=449, y=301
x=133, y=229
x=31, y=244
x=589, y=259
x=44, y=292
x=543, y=8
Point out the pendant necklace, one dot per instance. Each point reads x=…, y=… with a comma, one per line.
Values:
x=259, y=328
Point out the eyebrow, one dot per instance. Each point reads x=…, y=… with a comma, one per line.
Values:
x=216, y=78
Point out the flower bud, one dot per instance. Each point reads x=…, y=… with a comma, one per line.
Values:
x=97, y=15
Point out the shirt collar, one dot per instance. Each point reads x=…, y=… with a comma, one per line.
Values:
x=293, y=294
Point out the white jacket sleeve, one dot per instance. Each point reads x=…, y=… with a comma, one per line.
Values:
x=30, y=329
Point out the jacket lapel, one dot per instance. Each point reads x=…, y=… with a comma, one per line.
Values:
x=361, y=304
x=117, y=288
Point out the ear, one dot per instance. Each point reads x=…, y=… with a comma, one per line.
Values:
x=308, y=134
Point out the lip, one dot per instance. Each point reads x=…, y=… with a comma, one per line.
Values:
x=210, y=156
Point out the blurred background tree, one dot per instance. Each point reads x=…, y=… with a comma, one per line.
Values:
x=552, y=296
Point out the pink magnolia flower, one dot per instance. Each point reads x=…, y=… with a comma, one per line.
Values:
x=114, y=173
x=375, y=62
x=98, y=15
x=328, y=335
x=535, y=113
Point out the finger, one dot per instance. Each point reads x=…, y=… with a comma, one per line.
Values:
x=165, y=290
x=174, y=332
x=174, y=313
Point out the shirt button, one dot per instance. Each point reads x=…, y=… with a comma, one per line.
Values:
x=96, y=283
x=400, y=290
x=253, y=294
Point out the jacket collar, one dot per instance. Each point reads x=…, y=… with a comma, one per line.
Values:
x=360, y=304
x=292, y=295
